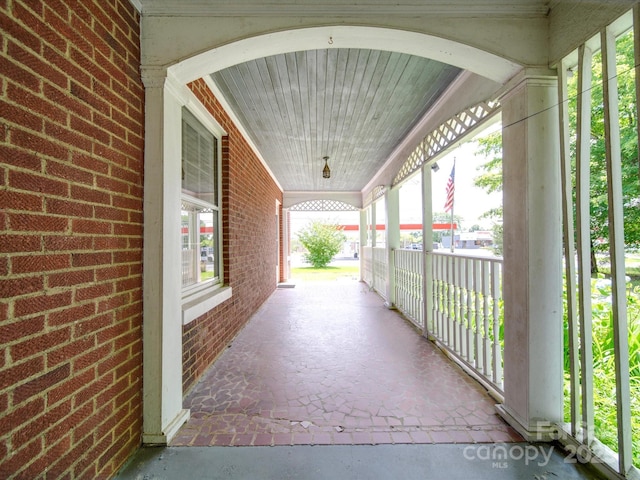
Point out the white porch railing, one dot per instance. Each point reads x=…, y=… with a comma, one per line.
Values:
x=367, y=265
x=409, y=285
x=380, y=271
x=374, y=269
x=465, y=312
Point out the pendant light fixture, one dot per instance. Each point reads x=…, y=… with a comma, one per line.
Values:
x=326, y=173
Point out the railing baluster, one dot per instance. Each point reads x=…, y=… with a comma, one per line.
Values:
x=469, y=331
x=461, y=307
x=441, y=306
x=497, y=349
x=418, y=290
x=488, y=356
x=418, y=294
x=451, y=290
x=446, y=306
x=437, y=299
x=454, y=304
x=479, y=349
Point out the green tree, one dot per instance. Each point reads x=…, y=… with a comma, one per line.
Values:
x=491, y=181
x=490, y=178
x=322, y=241
x=498, y=238
x=599, y=204
x=410, y=237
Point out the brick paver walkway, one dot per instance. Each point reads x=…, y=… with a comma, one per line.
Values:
x=327, y=363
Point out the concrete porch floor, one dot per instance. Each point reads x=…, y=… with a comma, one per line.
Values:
x=327, y=363
x=326, y=382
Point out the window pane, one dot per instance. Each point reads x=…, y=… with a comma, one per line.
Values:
x=208, y=245
x=199, y=160
x=199, y=244
x=200, y=249
x=190, y=249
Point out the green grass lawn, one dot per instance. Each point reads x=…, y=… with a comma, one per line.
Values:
x=631, y=263
x=325, y=274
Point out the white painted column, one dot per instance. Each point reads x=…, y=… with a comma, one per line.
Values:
x=363, y=240
x=532, y=281
x=162, y=316
x=392, y=231
x=427, y=248
x=374, y=240
x=286, y=246
x=374, y=224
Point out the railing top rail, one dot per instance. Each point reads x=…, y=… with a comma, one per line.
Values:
x=471, y=257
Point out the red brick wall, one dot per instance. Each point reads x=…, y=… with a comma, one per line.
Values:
x=71, y=164
x=249, y=220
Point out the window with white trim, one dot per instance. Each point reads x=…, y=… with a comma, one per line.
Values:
x=200, y=212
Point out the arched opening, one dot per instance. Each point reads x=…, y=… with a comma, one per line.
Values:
x=477, y=63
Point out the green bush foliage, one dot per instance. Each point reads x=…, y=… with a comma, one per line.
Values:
x=322, y=241
x=604, y=381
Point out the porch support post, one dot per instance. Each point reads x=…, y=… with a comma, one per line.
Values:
x=374, y=238
x=286, y=244
x=392, y=227
x=162, y=328
x=363, y=240
x=532, y=278
x=374, y=224
x=427, y=247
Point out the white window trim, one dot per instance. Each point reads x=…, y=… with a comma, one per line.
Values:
x=204, y=300
x=197, y=301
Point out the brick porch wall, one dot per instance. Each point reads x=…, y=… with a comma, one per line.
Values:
x=249, y=218
x=71, y=165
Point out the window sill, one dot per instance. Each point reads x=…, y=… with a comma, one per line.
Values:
x=200, y=303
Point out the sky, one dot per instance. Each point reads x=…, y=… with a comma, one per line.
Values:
x=470, y=202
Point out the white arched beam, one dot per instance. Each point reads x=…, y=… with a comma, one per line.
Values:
x=443, y=50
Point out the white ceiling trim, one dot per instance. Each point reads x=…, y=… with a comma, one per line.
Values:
x=443, y=50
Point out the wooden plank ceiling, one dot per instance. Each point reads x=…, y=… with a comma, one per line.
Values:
x=353, y=105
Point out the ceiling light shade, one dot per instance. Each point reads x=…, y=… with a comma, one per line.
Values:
x=326, y=172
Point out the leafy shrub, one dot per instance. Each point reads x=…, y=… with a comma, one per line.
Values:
x=322, y=241
x=604, y=381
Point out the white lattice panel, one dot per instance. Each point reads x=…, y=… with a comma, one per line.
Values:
x=444, y=136
x=323, y=206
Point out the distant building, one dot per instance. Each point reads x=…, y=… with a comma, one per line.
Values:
x=476, y=239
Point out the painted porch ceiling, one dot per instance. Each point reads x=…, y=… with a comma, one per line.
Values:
x=352, y=105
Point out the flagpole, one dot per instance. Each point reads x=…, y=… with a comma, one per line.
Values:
x=453, y=199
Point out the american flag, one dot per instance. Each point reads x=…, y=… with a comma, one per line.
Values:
x=448, y=204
